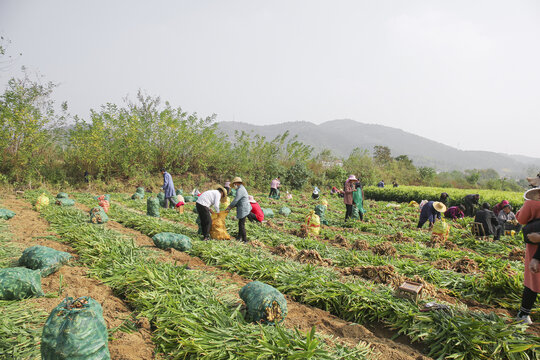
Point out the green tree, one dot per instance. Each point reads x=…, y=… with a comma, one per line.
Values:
x=427, y=174
x=297, y=176
x=382, y=155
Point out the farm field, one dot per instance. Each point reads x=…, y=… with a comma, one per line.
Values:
x=339, y=284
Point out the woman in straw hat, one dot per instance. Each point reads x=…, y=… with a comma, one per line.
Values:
x=529, y=215
x=243, y=207
x=349, y=188
x=431, y=211
x=204, y=202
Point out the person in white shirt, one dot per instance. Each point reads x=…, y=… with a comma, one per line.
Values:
x=208, y=199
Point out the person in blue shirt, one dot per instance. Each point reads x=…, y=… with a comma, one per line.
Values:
x=431, y=211
x=381, y=184
x=168, y=188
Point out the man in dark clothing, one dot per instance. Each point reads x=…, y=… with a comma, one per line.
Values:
x=469, y=201
x=431, y=211
x=444, y=198
x=489, y=221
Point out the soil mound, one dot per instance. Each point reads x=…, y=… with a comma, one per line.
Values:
x=312, y=257
x=385, y=248
x=466, y=266
x=399, y=237
x=285, y=250
x=361, y=245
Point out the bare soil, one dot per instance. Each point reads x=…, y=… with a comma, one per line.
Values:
x=30, y=229
x=302, y=317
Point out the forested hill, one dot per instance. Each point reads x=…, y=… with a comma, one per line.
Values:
x=341, y=136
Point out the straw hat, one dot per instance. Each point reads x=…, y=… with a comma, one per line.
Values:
x=532, y=194
x=237, y=180
x=352, y=178
x=534, y=181
x=439, y=206
x=219, y=187
x=251, y=199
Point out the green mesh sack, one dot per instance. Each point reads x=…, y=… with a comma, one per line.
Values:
x=167, y=240
x=19, y=283
x=6, y=214
x=264, y=303
x=140, y=190
x=65, y=202
x=62, y=195
x=98, y=215
x=189, y=198
x=320, y=210
x=44, y=259
x=195, y=211
x=161, y=198
x=355, y=213
x=276, y=195
x=152, y=206
x=285, y=211
x=268, y=213
x=137, y=196
x=75, y=330
x=179, y=192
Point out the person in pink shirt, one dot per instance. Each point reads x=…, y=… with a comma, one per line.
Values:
x=274, y=185
x=497, y=208
x=529, y=215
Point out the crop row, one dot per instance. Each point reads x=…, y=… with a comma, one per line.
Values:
x=456, y=332
x=191, y=316
x=497, y=284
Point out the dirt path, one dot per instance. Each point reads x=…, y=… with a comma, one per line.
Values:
x=302, y=317
x=30, y=229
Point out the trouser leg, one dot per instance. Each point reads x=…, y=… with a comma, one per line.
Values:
x=242, y=229
x=498, y=232
x=527, y=301
x=348, y=211
x=421, y=222
x=251, y=217
x=206, y=219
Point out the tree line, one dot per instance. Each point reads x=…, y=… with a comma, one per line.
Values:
x=41, y=143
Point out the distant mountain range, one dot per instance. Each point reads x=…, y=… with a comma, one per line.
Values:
x=342, y=136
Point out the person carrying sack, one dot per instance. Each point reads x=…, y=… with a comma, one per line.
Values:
x=243, y=208
x=204, y=202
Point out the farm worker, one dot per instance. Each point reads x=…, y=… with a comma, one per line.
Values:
x=289, y=196
x=204, y=202
x=315, y=193
x=168, y=188
x=455, y=212
x=243, y=207
x=358, y=200
x=469, y=201
x=394, y=183
x=431, y=211
x=497, y=208
x=444, y=198
x=381, y=184
x=274, y=185
x=256, y=213
x=348, y=198
x=227, y=186
x=334, y=190
x=489, y=221
x=508, y=220
x=529, y=215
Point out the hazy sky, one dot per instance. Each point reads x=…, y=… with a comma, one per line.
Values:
x=465, y=73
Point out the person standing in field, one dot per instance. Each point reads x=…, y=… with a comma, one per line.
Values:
x=204, y=202
x=348, y=190
x=529, y=215
x=470, y=201
x=381, y=184
x=274, y=185
x=168, y=188
x=431, y=211
x=243, y=207
x=227, y=186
